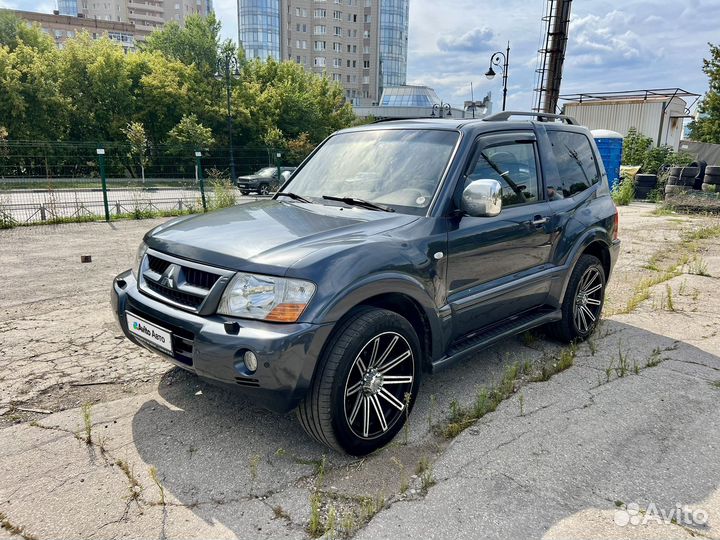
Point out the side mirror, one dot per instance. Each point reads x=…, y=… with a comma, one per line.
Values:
x=285, y=176
x=482, y=198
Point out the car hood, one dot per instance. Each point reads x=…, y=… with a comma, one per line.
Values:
x=253, y=177
x=269, y=236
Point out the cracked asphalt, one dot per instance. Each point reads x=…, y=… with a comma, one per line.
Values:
x=634, y=420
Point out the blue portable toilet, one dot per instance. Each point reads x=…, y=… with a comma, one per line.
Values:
x=610, y=146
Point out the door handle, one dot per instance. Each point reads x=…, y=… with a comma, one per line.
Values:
x=539, y=221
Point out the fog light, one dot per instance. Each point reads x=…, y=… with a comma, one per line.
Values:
x=251, y=361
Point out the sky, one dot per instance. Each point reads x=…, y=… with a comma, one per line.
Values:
x=613, y=45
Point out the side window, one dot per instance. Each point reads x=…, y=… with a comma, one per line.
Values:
x=575, y=162
x=513, y=164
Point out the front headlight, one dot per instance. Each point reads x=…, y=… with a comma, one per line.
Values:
x=139, y=256
x=265, y=297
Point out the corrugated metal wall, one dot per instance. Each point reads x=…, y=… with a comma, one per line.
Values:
x=644, y=115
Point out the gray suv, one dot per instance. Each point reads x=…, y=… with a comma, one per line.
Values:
x=395, y=250
x=264, y=181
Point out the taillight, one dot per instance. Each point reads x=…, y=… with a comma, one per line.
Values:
x=617, y=224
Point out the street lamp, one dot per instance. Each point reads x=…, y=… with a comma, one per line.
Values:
x=228, y=68
x=495, y=60
x=443, y=109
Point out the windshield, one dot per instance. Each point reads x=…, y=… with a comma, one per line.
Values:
x=399, y=168
x=267, y=172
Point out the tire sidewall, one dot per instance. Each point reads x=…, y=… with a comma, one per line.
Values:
x=351, y=443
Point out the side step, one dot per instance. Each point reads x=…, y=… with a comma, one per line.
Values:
x=509, y=327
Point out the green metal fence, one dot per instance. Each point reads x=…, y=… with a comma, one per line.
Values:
x=74, y=182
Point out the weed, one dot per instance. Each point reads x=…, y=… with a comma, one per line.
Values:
x=698, y=266
x=636, y=368
x=280, y=452
x=331, y=523
x=254, y=462
x=223, y=194
x=427, y=480
x=404, y=483
x=593, y=346
x=154, y=476
x=13, y=529
x=315, y=526
x=348, y=523
x=623, y=363
x=704, y=233
x=280, y=513
x=567, y=358
x=528, y=338
x=654, y=359
x=87, y=422
x=623, y=193
x=321, y=471
x=521, y=400
x=406, y=427
x=370, y=506
x=715, y=384
x=422, y=466
x=668, y=290
x=134, y=485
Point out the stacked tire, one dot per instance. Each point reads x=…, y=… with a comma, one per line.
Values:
x=681, y=180
x=644, y=184
x=711, y=180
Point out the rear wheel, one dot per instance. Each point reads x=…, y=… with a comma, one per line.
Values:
x=583, y=301
x=365, y=384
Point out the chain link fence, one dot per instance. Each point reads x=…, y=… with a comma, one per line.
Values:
x=74, y=182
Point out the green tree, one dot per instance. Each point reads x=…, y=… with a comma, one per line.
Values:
x=707, y=127
x=635, y=147
x=195, y=43
x=14, y=31
x=135, y=133
x=189, y=134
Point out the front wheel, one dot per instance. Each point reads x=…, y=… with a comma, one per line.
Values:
x=583, y=301
x=365, y=384
x=264, y=189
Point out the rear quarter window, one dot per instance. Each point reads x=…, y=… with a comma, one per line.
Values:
x=576, y=163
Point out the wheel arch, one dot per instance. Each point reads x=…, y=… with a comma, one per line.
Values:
x=402, y=295
x=594, y=243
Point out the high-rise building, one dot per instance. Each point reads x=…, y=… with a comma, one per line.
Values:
x=146, y=15
x=361, y=44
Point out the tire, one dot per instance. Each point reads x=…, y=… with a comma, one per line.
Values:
x=244, y=192
x=330, y=412
x=646, y=180
x=641, y=193
x=672, y=190
x=713, y=170
x=712, y=178
x=684, y=172
x=675, y=181
x=711, y=188
x=264, y=189
x=579, y=315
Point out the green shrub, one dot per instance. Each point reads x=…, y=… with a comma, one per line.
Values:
x=623, y=193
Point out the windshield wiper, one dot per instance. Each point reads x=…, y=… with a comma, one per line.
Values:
x=293, y=196
x=352, y=201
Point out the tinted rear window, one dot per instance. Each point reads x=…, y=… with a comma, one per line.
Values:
x=575, y=161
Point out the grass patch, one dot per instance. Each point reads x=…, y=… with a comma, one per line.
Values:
x=623, y=193
x=87, y=422
x=487, y=400
x=156, y=479
x=715, y=384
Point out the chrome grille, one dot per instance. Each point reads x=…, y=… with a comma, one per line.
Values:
x=184, y=284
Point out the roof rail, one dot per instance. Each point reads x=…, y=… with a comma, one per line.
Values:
x=542, y=117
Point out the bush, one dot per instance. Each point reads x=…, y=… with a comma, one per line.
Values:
x=623, y=193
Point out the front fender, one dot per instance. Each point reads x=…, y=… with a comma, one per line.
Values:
x=378, y=284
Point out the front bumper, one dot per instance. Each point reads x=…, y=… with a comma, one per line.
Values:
x=213, y=348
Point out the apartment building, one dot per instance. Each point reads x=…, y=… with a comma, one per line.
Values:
x=63, y=27
x=361, y=44
x=146, y=15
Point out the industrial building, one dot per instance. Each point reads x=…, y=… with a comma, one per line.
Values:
x=657, y=114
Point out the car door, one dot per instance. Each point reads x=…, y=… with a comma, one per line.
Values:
x=497, y=265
